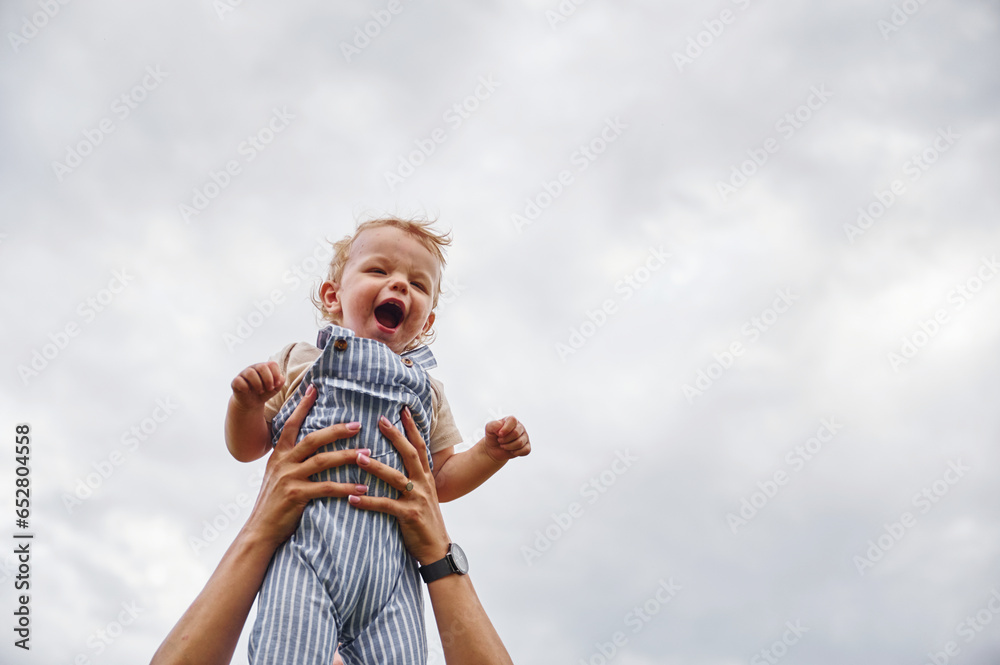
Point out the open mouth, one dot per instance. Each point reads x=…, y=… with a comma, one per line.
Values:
x=389, y=314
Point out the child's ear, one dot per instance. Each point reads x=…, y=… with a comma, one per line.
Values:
x=328, y=293
x=430, y=322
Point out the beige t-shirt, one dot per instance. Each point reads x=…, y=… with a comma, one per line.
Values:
x=297, y=357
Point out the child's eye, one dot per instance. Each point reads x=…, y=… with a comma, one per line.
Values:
x=419, y=285
x=377, y=270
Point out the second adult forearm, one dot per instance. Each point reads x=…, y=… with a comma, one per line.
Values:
x=209, y=630
x=467, y=634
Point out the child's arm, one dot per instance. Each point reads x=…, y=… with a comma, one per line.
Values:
x=248, y=435
x=457, y=474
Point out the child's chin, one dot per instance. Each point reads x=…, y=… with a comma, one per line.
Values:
x=392, y=340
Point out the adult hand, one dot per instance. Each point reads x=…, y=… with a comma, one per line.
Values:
x=417, y=509
x=208, y=631
x=286, y=488
x=467, y=634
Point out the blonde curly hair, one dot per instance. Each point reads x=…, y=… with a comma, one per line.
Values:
x=420, y=229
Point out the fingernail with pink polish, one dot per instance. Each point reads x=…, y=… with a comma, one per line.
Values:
x=354, y=427
x=361, y=489
x=354, y=499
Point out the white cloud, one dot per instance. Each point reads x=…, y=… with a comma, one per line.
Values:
x=522, y=293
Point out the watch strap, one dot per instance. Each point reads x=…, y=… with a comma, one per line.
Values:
x=437, y=570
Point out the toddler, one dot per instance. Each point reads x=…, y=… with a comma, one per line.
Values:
x=344, y=576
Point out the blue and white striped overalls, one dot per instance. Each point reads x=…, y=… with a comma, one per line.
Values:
x=344, y=575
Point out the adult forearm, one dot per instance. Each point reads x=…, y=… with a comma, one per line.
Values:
x=208, y=631
x=467, y=634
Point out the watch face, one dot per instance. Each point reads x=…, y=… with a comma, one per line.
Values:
x=458, y=558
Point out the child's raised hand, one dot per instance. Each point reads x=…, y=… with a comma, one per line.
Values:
x=257, y=384
x=506, y=439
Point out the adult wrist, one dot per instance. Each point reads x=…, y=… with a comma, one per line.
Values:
x=435, y=553
x=255, y=543
x=453, y=563
x=257, y=535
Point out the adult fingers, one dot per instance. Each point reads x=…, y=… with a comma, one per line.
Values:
x=414, y=438
x=406, y=445
x=395, y=478
x=291, y=430
x=379, y=504
x=313, y=441
x=329, y=460
x=417, y=513
x=310, y=489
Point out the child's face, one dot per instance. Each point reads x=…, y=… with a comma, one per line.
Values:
x=387, y=288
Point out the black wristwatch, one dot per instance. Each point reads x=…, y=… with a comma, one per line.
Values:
x=453, y=563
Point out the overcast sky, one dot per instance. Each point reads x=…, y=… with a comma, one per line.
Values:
x=734, y=265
